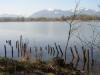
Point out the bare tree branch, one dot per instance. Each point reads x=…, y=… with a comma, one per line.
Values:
x=70, y=26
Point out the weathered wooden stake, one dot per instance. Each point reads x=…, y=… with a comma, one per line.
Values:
x=45, y=47
x=5, y=51
x=77, y=52
x=20, y=41
x=25, y=47
x=10, y=42
x=41, y=54
x=36, y=53
x=12, y=51
x=84, y=57
x=60, y=51
x=72, y=54
x=53, y=51
x=57, y=50
x=30, y=50
x=88, y=60
x=18, y=49
x=77, y=56
x=16, y=44
x=92, y=56
x=48, y=49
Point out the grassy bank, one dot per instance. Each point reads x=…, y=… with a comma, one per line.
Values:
x=56, y=66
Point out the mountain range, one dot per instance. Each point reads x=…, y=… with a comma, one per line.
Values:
x=57, y=13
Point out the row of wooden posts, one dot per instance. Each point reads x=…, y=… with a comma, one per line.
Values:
x=54, y=51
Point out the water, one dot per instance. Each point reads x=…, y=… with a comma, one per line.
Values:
x=44, y=33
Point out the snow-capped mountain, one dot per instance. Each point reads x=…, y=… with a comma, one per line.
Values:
x=59, y=13
x=87, y=12
x=55, y=13
x=51, y=14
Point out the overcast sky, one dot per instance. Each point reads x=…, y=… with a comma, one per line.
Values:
x=27, y=7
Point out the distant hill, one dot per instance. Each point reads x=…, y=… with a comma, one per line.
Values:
x=59, y=13
x=8, y=16
x=51, y=14
x=89, y=12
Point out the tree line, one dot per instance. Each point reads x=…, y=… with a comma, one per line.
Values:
x=62, y=18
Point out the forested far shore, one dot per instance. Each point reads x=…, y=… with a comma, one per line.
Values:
x=63, y=18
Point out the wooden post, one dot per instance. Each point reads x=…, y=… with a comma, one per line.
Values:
x=84, y=57
x=10, y=42
x=12, y=51
x=48, y=49
x=16, y=44
x=57, y=50
x=25, y=47
x=53, y=51
x=30, y=50
x=77, y=52
x=41, y=55
x=20, y=41
x=60, y=51
x=5, y=51
x=45, y=47
x=88, y=61
x=72, y=54
x=36, y=53
x=92, y=56
x=18, y=49
x=84, y=52
x=77, y=56
x=5, y=57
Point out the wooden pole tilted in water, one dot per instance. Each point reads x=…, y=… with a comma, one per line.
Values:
x=77, y=52
x=72, y=54
x=57, y=50
x=60, y=51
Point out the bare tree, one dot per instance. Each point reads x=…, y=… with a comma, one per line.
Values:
x=93, y=40
x=70, y=23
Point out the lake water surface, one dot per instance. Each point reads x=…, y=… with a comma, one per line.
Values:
x=43, y=33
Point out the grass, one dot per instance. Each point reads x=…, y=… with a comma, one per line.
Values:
x=38, y=67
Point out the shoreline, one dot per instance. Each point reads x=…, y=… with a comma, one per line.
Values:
x=54, y=21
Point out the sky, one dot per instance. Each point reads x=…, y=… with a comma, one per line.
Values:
x=28, y=7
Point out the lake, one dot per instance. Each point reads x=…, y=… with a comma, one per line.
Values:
x=44, y=33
